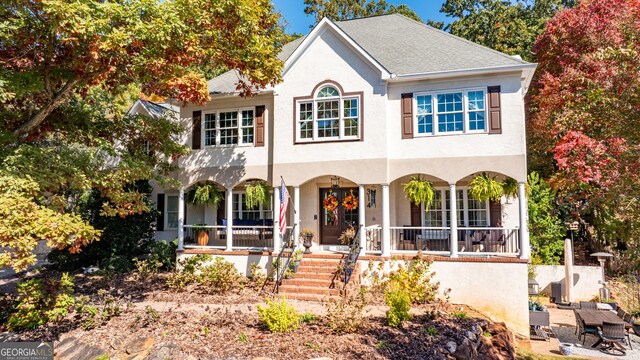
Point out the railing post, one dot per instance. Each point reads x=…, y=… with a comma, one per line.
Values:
x=277, y=241
x=361, y=220
x=296, y=215
x=229, y=205
x=181, y=219
x=386, y=219
x=453, y=220
x=525, y=249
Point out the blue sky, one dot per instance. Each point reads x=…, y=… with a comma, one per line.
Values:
x=298, y=21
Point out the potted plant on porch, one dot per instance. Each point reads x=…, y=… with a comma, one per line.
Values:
x=204, y=194
x=256, y=193
x=485, y=187
x=296, y=258
x=419, y=190
x=202, y=234
x=307, y=235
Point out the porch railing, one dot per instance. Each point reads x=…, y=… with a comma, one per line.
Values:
x=244, y=237
x=435, y=240
x=488, y=240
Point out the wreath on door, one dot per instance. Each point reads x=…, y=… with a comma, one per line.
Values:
x=350, y=201
x=330, y=203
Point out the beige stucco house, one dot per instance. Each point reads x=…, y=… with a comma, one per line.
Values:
x=364, y=105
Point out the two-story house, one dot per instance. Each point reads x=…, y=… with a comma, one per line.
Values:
x=365, y=105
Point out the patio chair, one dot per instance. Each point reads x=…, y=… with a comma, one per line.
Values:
x=621, y=313
x=588, y=305
x=612, y=336
x=627, y=318
x=583, y=330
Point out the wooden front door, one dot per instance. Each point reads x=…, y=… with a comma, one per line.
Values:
x=334, y=222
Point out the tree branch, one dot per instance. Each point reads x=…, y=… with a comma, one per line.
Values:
x=47, y=109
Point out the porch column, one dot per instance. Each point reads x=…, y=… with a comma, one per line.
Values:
x=296, y=214
x=525, y=248
x=361, y=220
x=229, y=203
x=181, y=219
x=386, y=219
x=453, y=217
x=277, y=241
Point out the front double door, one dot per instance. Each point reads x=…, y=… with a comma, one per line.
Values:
x=334, y=221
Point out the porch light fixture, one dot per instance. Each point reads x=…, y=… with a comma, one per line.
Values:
x=335, y=182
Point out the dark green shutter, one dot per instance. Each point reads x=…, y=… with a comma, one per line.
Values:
x=196, y=132
x=160, y=219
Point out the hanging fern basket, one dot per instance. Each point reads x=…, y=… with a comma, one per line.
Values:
x=256, y=194
x=484, y=187
x=418, y=191
x=510, y=188
x=207, y=195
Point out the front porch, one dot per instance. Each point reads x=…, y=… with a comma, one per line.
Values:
x=455, y=225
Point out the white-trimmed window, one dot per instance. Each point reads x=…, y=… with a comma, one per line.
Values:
x=171, y=211
x=242, y=211
x=330, y=115
x=460, y=111
x=229, y=127
x=471, y=212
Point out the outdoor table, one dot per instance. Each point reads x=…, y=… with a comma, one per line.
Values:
x=595, y=318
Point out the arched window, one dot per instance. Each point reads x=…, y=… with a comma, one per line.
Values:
x=329, y=114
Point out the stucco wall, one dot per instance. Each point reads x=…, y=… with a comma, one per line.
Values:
x=585, y=280
x=242, y=262
x=497, y=289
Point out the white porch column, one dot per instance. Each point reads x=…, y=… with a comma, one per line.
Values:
x=525, y=248
x=386, y=220
x=181, y=219
x=453, y=217
x=361, y=220
x=229, y=204
x=277, y=240
x=296, y=214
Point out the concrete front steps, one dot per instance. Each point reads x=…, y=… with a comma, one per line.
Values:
x=315, y=279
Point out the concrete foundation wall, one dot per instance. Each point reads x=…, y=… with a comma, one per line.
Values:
x=242, y=261
x=585, y=280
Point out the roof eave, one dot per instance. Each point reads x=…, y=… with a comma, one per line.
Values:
x=462, y=72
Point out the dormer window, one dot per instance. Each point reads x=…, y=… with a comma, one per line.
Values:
x=329, y=115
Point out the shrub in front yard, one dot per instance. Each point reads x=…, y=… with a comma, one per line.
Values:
x=220, y=277
x=42, y=301
x=279, y=316
x=185, y=272
x=346, y=314
x=414, y=280
x=399, y=305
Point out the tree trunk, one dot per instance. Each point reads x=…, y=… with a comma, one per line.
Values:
x=39, y=117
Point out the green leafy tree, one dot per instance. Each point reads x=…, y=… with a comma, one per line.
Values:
x=338, y=10
x=507, y=26
x=68, y=73
x=546, y=229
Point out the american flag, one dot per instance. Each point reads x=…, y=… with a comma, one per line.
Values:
x=284, y=202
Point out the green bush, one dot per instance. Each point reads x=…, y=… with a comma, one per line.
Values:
x=40, y=302
x=257, y=274
x=346, y=314
x=414, y=280
x=184, y=273
x=123, y=238
x=164, y=253
x=219, y=277
x=546, y=229
x=399, y=305
x=279, y=316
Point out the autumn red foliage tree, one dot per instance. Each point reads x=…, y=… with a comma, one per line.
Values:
x=585, y=109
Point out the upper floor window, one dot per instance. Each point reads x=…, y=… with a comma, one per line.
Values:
x=329, y=115
x=229, y=127
x=450, y=112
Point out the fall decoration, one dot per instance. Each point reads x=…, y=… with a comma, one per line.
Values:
x=350, y=202
x=330, y=203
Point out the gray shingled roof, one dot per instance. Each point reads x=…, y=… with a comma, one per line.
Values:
x=155, y=110
x=226, y=83
x=403, y=47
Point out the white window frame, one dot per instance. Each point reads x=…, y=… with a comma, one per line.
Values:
x=166, y=211
x=465, y=112
x=239, y=127
x=261, y=207
x=341, y=118
x=464, y=210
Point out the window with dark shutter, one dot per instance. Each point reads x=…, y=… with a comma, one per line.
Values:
x=260, y=125
x=160, y=218
x=495, y=213
x=407, y=115
x=196, y=131
x=495, y=117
